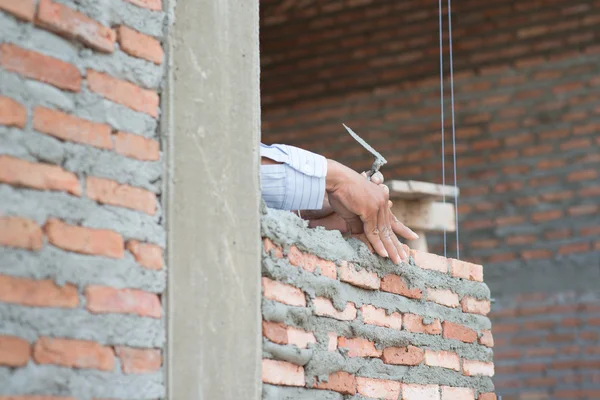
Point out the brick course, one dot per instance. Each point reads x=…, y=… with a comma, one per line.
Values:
x=358, y=336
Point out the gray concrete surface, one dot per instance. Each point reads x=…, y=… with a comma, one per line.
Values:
x=212, y=115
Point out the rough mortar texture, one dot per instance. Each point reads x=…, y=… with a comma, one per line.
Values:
x=319, y=362
x=84, y=306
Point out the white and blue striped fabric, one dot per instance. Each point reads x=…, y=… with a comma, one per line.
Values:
x=296, y=184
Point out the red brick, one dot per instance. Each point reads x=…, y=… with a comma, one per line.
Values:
x=300, y=337
x=23, y=9
x=378, y=316
x=359, y=347
x=17, y=172
x=420, y=392
x=486, y=339
x=465, y=270
x=544, y=216
x=138, y=45
x=586, y=174
x=409, y=355
x=396, y=284
x=40, y=67
x=275, y=332
x=378, y=388
x=20, y=232
x=12, y=113
x=444, y=297
x=454, y=393
x=137, y=147
x=324, y=308
x=14, y=351
x=458, y=332
x=69, y=23
x=110, y=192
x=536, y=254
x=146, y=254
x=37, y=293
x=283, y=293
x=475, y=306
x=282, y=373
x=310, y=262
x=67, y=127
x=341, y=382
x=139, y=361
x=104, y=299
x=429, y=261
x=583, y=209
x=155, y=5
x=574, y=248
x=487, y=396
x=444, y=359
x=99, y=242
x=73, y=353
x=123, y=92
x=414, y=323
x=332, y=341
x=473, y=368
x=282, y=334
x=359, y=277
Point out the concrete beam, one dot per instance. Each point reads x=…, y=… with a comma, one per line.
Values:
x=213, y=120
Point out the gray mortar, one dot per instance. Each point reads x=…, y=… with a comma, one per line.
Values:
x=271, y=392
x=40, y=205
x=116, y=12
x=340, y=293
x=96, y=108
x=118, y=64
x=291, y=354
x=383, y=337
x=81, y=270
x=83, y=159
x=83, y=384
x=110, y=329
x=285, y=229
x=139, y=71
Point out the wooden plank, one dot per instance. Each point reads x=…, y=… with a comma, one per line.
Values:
x=414, y=190
x=424, y=215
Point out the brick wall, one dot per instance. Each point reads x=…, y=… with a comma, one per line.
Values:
x=81, y=224
x=338, y=321
x=547, y=347
x=526, y=83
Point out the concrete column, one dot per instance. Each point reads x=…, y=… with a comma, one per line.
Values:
x=213, y=124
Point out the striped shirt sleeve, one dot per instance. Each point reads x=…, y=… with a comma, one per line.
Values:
x=296, y=184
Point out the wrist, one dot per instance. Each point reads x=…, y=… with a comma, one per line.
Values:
x=334, y=175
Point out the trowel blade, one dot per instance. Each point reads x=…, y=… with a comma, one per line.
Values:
x=381, y=160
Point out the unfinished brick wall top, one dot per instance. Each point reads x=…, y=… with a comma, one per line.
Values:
x=340, y=322
x=81, y=225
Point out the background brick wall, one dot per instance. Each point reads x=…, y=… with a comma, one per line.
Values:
x=547, y=346
x=81, y=224
x=526, y=84
x=338, y=321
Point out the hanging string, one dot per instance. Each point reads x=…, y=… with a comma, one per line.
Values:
x=453, y=126
x=442, y=114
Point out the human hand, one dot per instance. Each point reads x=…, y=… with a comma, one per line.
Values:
x=364, y=206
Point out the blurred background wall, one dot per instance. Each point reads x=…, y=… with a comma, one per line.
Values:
x=527, y=112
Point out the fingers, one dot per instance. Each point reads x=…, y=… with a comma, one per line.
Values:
x=400, y=229
x=372, y=233
x=377, y=178
x=388, y=238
